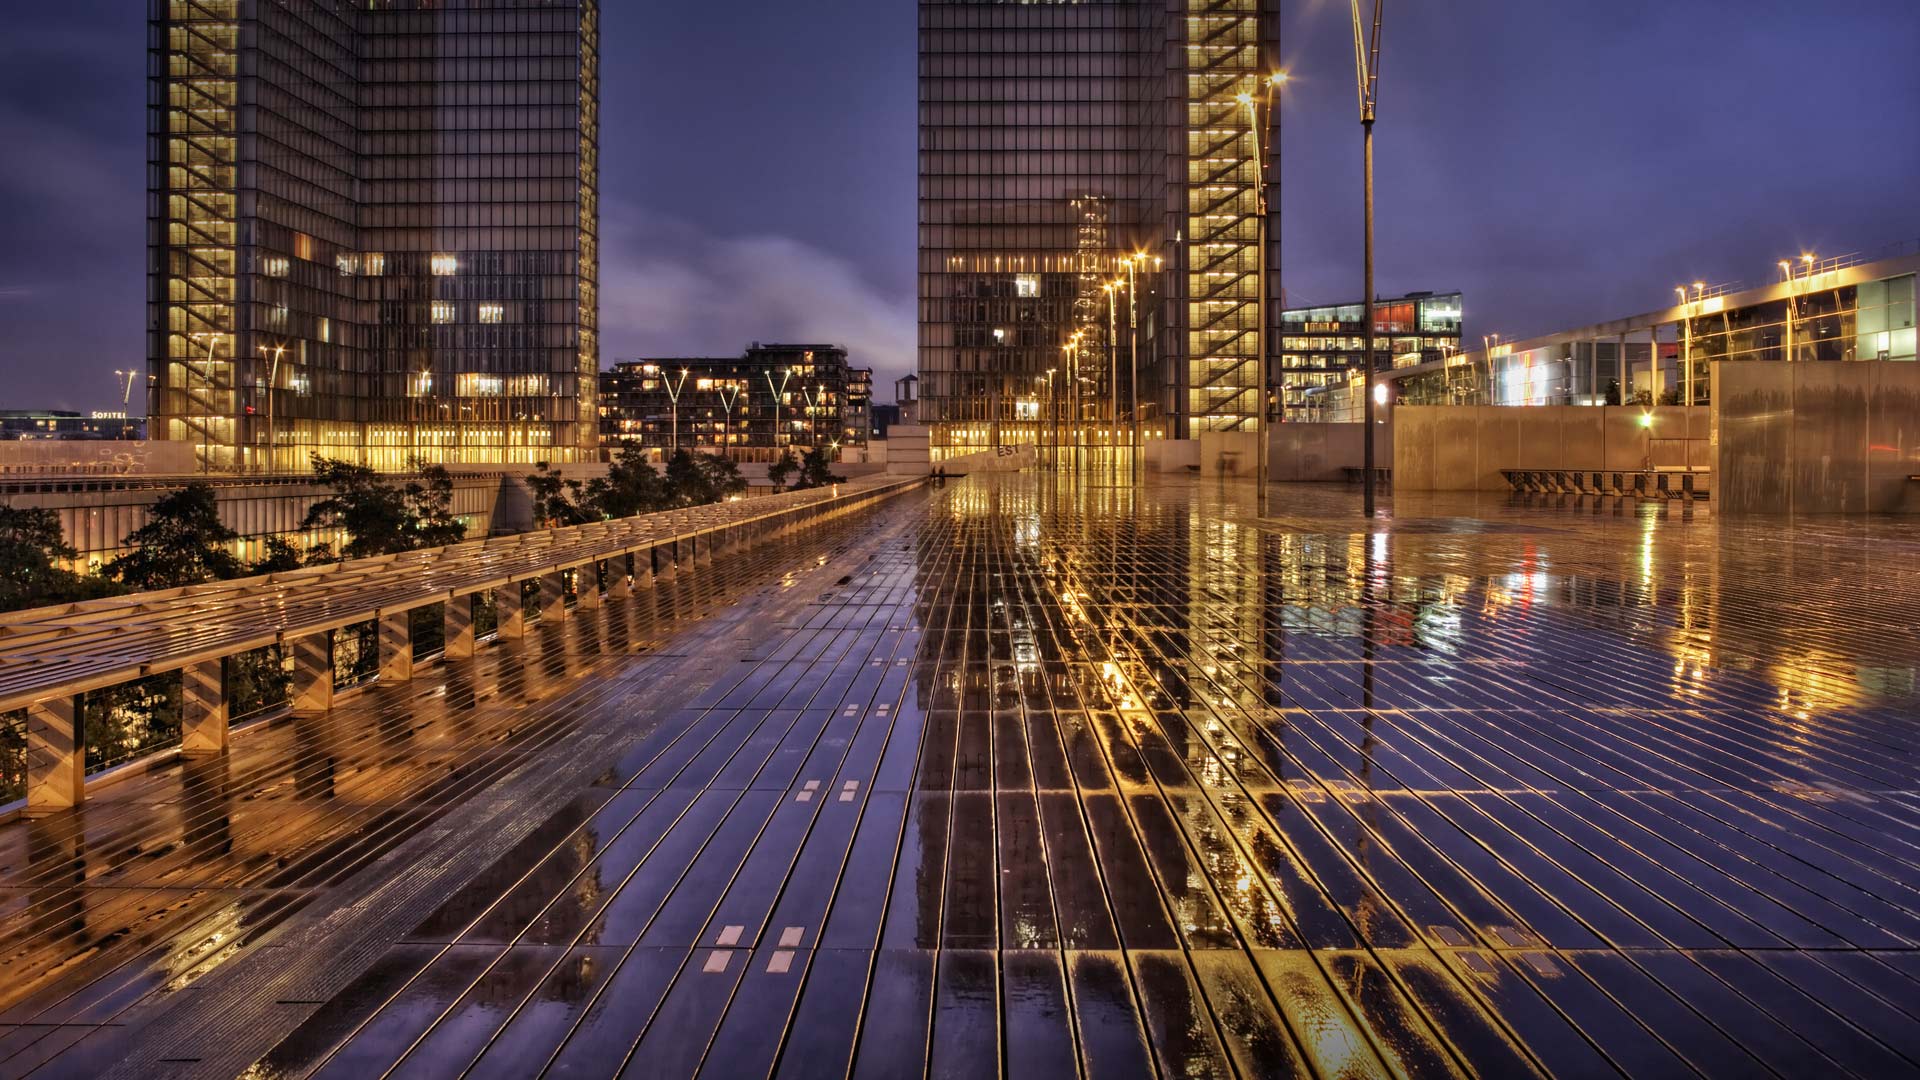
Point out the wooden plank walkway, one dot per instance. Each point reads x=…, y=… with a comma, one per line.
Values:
x=1017, y=778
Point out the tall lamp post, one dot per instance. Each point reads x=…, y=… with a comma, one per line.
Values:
x=1259, y=113
x=729, y=396
x=1113, y=377
x=206, y=421
x=1366, y=59
x=673, y=394
x=273, y=379
x=785, y=374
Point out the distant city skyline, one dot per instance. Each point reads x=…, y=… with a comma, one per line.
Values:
x=1556, y=164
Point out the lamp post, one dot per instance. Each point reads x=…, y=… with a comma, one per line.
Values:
x=1134, y=263
x=785, y=374
x=1257, y=117
x=1366, y=58
x=273, y=379
x=206, y=422
x=673, y=394
x=1113, y=377
x=729, y=395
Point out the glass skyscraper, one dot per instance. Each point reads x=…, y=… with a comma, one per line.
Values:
x=373, y=230
x=1067, y=147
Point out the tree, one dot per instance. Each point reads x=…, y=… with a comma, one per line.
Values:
x=816, y=471
x=184, y=542
x=280, y=557
x=557, y=501
x=632, y=485
x=379, y=518
x=32, y=544
x=687, y=483
x=722, y=476
x=781, y=471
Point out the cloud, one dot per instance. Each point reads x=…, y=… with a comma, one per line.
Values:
x=669, y=288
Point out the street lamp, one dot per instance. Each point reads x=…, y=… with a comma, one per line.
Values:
x=673, y=393
x=785, y=374
x=206, y=423
x=1255, y=125
x=1113, y=376
x=729, y=394
x=1366, y=59
x=273, y=378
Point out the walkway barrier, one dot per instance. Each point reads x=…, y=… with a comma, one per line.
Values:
x=51, y=658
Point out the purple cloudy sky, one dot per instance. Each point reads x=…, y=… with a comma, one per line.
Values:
x=1562, y=161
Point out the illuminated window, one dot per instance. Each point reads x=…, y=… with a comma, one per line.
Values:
x=373, y=263
x=999, y=336
x=276, y=265
x=445, y=265
x=492, y=312
x=442, y=311
x=1027, y=284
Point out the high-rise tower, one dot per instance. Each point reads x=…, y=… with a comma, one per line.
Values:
x=373, y=230
x=1058, y=141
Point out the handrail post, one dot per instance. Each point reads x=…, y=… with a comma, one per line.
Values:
x=553, y=596
x=203, y=708
x=312, y=689
x=396, y=646
x=459, y=627
x=586, y=586
x=56, y=755
x=510, y=611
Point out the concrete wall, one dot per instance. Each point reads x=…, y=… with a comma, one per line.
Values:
x=1464, y=447
x=908, y=449
x=1813, y=438
x=1171, y=455
x=1318, y=453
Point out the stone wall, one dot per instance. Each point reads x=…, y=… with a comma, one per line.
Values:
x=1817, y=438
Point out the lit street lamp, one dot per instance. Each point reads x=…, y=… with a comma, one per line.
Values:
x=1366, y=58
x=206, y=423
x=785, y=374
x=273, y=379
x=1257, y=117
x=673, y=393
x=729, y=394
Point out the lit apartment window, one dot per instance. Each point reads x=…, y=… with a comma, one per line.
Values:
x=1027, y=284
x=276, y=265
x=442, y=311
x=373, y=263
x=445, y=265
x=492, y=312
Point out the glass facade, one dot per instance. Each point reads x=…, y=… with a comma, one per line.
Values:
x=374, y=230
x=1089, y=230
x=1323, y=346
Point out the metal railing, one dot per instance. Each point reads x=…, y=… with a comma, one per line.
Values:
x=52, y=659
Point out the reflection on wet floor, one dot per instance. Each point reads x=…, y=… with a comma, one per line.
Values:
x=1027, y=777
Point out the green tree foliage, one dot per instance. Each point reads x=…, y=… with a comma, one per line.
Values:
x=722, y=476
x=816, y=471
x=184, y=542
x=558, y=501
x=782, y=471
x=280, y=557
x=381, y=518
x=32, y=545
x=632, y=485
x=687, y=482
